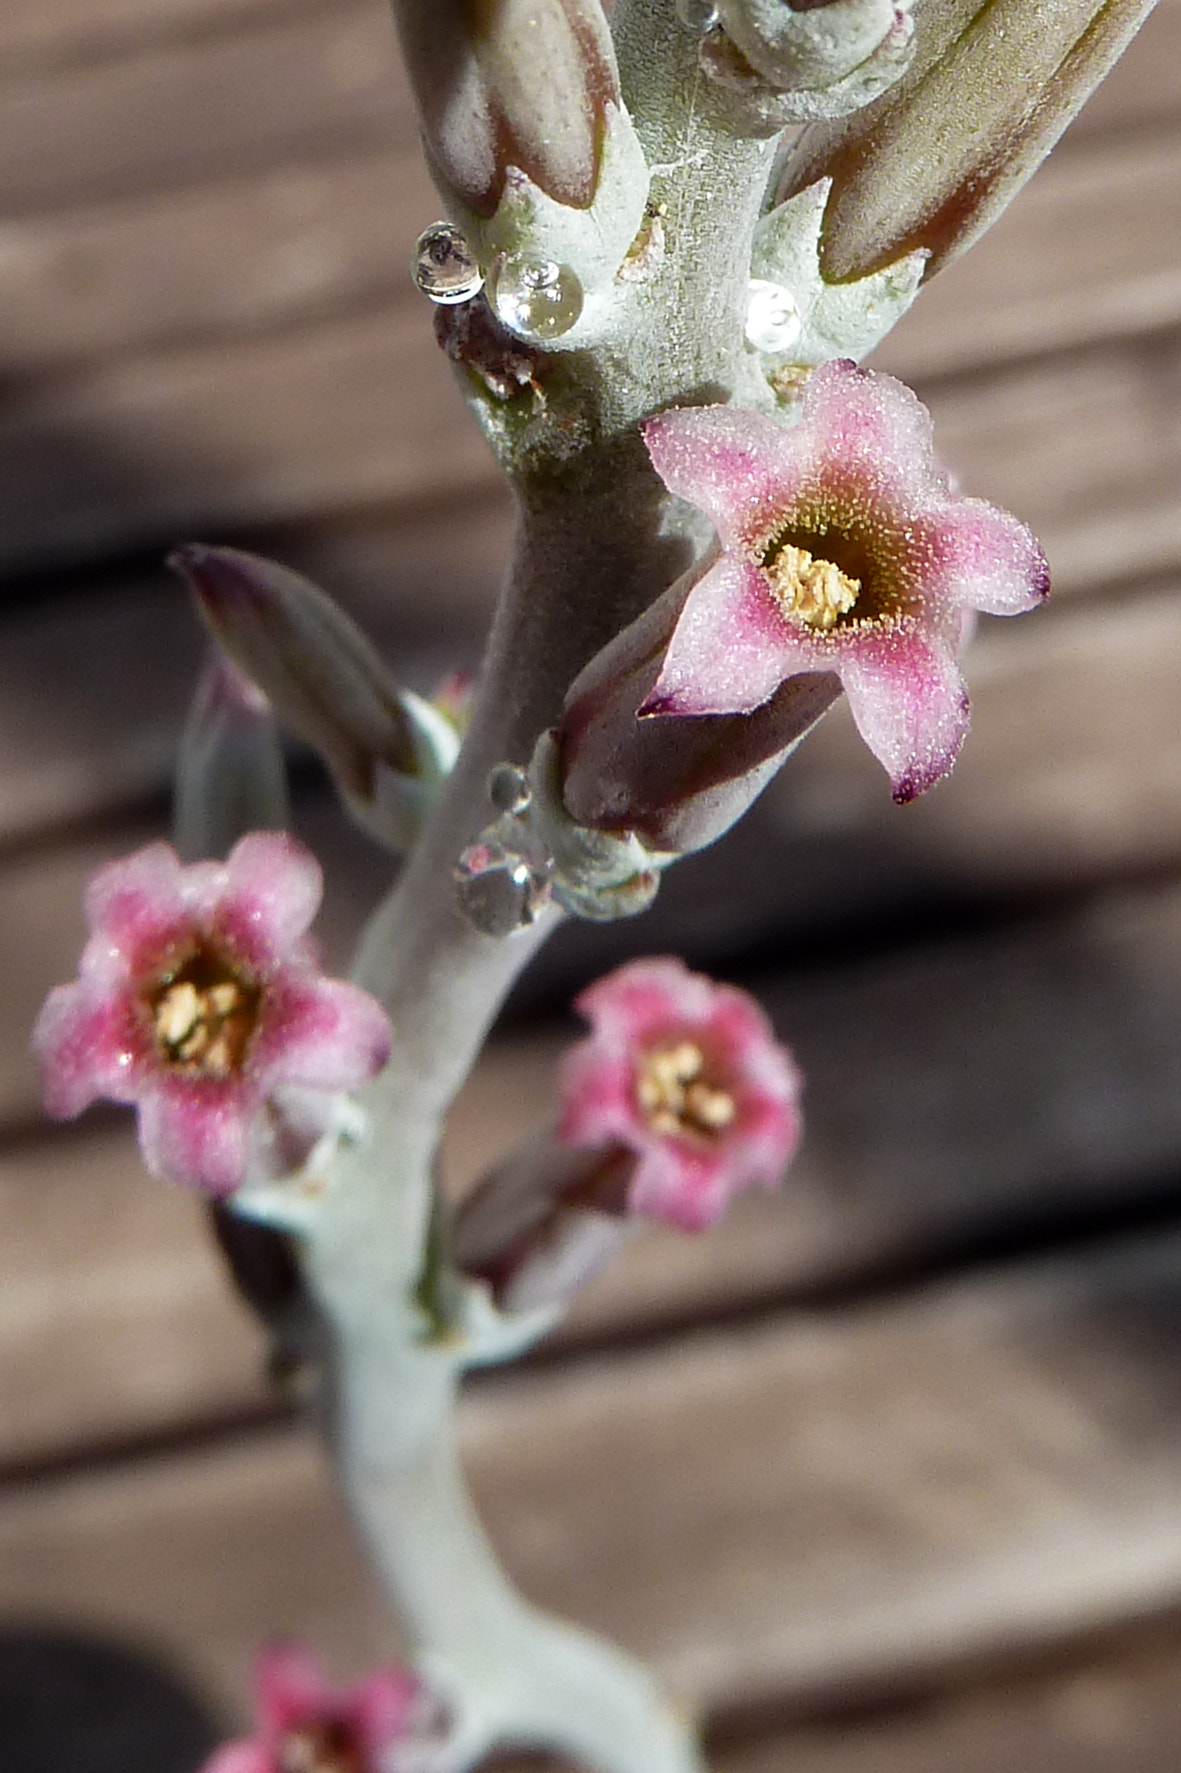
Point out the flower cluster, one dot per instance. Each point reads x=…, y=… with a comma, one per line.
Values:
x=687, y=1075
x=845, y=551
x=200, y=1002
x=305, y=1725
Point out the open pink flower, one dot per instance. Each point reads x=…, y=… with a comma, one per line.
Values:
x=199, y=1000
x=844, y=551
x=688, y=1075
x=307, y=1726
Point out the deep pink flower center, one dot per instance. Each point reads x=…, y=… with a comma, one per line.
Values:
x=327, y=1747
x=678, y=1097
x=203, y=1012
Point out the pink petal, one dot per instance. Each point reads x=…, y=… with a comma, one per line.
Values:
x=322, y=1033
x=736, y=465
x=89, y=1045
x=642, y=998
x=771, y=1128
x=987, y=559
x=383, y=1708
x=870, y=431
x=197, y=1131
x=732, y=648
x=289, y=1688
x=597, y=1087
x=240, y=1757
x=688, y=1190
x=134, y=907
x=910, y=705
x=272, y=891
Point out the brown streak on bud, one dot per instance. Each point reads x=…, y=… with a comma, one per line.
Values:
x=500, y=83
x=935, y=161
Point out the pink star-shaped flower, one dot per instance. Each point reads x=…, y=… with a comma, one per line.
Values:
x=307, y=1726
x=199, y=1001
x=844, y=551
x=688, y=1075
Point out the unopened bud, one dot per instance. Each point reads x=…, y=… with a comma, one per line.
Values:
x=935, y=161
x=675, y=783
x=387, y=749
x=543, y=1222
x=230, y=774
x=530, y=145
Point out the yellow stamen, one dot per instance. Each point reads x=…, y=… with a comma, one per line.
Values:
x=815, y=590
x=675, y=1096
x=203, y=1016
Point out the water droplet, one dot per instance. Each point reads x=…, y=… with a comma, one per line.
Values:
x=534, y=297
x=772, y=318
x=508, y=788
x=698, y=15
x=443, y=265
x=499, y=890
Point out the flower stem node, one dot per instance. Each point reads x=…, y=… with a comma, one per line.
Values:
x=811, y=63
x=534, y=854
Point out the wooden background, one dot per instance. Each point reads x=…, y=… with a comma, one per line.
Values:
x=885, y=1474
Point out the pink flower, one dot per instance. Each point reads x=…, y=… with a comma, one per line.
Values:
x=688, y=1075
x=199, y=1000
x=844, y=551
x=307, y=1726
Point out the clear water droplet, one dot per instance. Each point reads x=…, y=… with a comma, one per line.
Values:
x=508, y=788
x=444, y=266
x=534, y=297
x=499, y=890
x=698, y=15
x=772, y=318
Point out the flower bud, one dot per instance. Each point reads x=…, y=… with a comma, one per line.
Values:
x=230, y=774
x=678, y=784
x=542, y=1222
x=529, y=143
x=936, y=160
x=387, y=748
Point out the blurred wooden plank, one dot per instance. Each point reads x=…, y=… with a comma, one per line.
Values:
x=1064, y=1103
x=174, y=1346
x=299, y=426
x=211, y=106
x=358, y=412
x=38, y=35
x=1106, y=1708
x=294, y=243
x=773, y=1514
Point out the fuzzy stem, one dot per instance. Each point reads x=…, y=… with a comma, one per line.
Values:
x=597, y=540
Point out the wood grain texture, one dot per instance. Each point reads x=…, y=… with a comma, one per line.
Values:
x=175, y=114
x=882, y=1493
x=1064, y=1107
